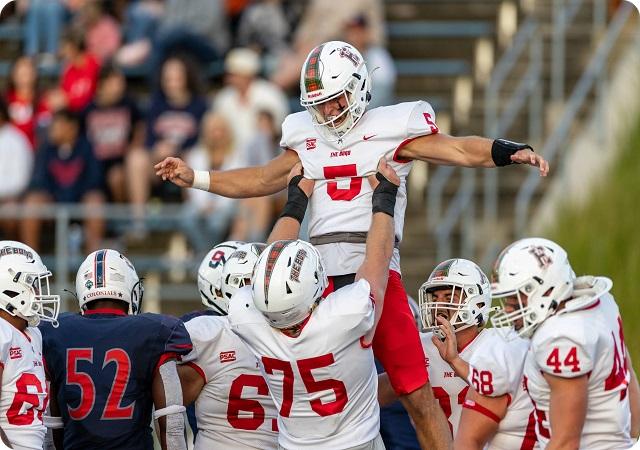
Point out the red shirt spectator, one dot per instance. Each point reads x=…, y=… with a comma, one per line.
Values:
x=79, y=80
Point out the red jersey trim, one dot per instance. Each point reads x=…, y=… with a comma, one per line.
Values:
x=403, y=144
x=198, y=369
x=166, y=357
x=114, y=311
x=188, y=346
x=470, y=404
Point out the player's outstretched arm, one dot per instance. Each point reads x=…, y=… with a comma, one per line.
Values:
x=237, y=183
x=472, y=151
x=567, y=410
x=298, y=192
x=380, y=238
x=479, y=420
x=169, y=408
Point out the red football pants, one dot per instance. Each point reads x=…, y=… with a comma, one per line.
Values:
x=396, y=343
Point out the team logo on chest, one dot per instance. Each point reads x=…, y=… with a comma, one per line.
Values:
x=311, y=143
x=340, y=153
x=15, y=353
x=227, y=356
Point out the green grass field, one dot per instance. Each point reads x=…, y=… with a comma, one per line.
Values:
x=603, y=237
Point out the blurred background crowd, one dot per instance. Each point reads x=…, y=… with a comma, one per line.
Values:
x=104, y=89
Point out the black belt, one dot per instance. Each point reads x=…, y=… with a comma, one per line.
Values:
x=344, y=237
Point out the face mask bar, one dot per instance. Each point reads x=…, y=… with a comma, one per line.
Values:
x=44, y=306
x=506, y=321
x=457, y=313
x=335, y=131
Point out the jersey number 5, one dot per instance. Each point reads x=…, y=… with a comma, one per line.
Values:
x=305, y=366
x=355, y=182
x=113, y=408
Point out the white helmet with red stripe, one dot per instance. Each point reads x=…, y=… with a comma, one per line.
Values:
x=288, y=279
x=210, y=276
x=335, y=70
x=108, y=275
x=24, y=285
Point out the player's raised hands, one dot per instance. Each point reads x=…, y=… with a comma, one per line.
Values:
x=175, y=170
x=305, y=184
x=529, y=157
x=386, y=171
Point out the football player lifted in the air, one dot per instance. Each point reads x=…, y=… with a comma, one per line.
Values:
x=577, y=371
x=232, y=403
x=455, y=303
x=25, y=300
x=315, y=353
x=339, y=142
x=109, y=366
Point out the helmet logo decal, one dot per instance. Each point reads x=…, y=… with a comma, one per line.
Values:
x=297, y=265
x=16, y=251
x=345, y=52
x=539, y=252
x=89, y=284
x=442, y=269
x=98, y=267
x=272, y=257
x=216, y=259
x=312, y=79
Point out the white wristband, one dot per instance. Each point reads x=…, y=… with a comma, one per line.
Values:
x=201, y=179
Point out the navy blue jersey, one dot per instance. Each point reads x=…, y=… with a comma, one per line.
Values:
x=101, y=366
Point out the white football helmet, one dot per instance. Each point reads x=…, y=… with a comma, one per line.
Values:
x=331, y=70
x=238, y=269
x=210, y=276
x=538, y=273
x=108, y=275
x=473, y=287
x=287, y=281
x=24, y=285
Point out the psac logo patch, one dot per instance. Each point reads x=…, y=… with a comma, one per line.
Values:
x=15, y=353
x=227, y=356
x=311, y=143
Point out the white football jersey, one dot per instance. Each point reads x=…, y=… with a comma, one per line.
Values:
x=588, y=341
x=24, y=390
x=234, y=409
x=496, y=369
x=341, y=200
x=324, y=381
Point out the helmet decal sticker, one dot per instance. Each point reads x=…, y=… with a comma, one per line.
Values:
x=16, y=251
x=541, y=255
x=98, y=268
x=312, y=79
x=297, y=265
x=272, y=257
x=345, y=52
x=442, y=270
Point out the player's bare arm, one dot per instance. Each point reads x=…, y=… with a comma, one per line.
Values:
x=299, y=190
x=237, y=183
x=386, y=394
x=634, y=399
x=567, y=410
x=471, y=151
x=448, y=348
x=167, y=400
x=57, y=431
x=191, y=382
x=476, y=428
x=380, y=239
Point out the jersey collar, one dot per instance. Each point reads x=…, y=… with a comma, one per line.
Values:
x=112, y=311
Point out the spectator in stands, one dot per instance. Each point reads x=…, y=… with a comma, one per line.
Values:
x=324, y=20
x=172, y=126
x=113, y=125
x=79, y=76
x=27, y=107
x=66, y=171
x=383, y=73
x=264, y=27
x=140, y=24
x=211, y=215
x=43, y=24
x=194, y=27
x=16, y=161
x=244, y=95
x=102, y=30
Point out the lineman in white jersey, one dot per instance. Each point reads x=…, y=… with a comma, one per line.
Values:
x=339, y=142
x=232, y=403
x=455, y=303
x=315, y=353
x=25, y=300
x=577, y=370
